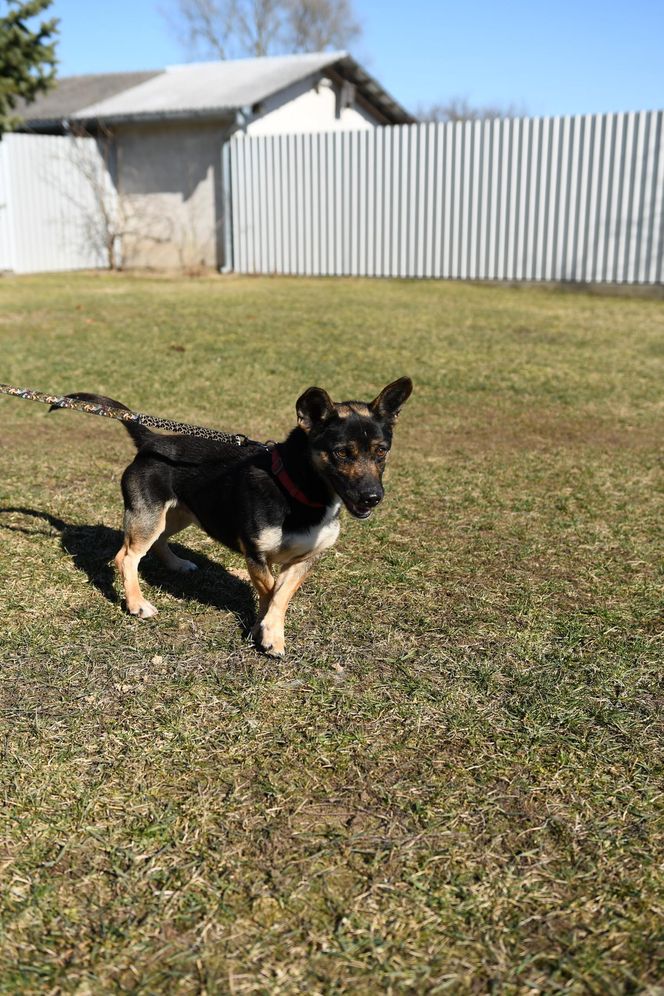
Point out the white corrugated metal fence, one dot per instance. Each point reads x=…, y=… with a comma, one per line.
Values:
x=54, y=194
x=575, y=198
x=572, y=198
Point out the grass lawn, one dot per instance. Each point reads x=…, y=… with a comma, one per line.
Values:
x=450, y=784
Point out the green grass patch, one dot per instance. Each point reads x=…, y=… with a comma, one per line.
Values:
x=452, y=783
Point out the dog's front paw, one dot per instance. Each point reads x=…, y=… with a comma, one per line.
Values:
x=144, y=610
x=269, y=638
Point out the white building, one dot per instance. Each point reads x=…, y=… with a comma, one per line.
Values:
x=164, y=132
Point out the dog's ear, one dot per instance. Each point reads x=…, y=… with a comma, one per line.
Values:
x=392, y=398
x=313, y=406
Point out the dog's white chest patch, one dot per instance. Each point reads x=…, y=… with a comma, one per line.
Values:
x=280, y=546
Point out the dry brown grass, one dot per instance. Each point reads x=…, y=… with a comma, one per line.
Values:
x=451, y=783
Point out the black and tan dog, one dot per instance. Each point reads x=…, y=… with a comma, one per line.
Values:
x=277, y=506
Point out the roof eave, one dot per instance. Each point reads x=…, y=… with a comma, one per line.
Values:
x=372, y=91
x=223, y=115
x=39, y=124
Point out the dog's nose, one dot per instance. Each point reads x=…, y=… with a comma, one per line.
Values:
x=371, y=499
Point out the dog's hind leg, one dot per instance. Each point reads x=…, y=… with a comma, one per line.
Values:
x=177, y=518
x=143, y=527
x=263, y=581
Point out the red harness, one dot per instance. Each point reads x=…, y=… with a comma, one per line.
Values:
x=287, y=482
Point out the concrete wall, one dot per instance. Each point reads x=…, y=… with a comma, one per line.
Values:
x=169, y=181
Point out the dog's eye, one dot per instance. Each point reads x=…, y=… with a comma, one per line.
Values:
x=341, y=453
x=381, y=452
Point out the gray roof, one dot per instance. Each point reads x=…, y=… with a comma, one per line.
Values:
x=73, y=92
x=208, y=89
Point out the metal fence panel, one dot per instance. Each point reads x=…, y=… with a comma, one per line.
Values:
x=565, y=199
x=6, y=219
x=572, y=198
x=55, y=195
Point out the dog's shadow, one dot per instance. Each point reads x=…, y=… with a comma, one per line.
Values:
x=91, y=549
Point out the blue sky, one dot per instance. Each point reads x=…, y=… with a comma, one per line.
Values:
x=564, y=57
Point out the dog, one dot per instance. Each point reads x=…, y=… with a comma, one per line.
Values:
x=276, y=505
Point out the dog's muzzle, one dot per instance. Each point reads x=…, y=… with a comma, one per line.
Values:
x=364, y=505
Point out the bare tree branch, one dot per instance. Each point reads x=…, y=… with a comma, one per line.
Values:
x=460, y=109
x=225, y=29
x=110, y=220
x=255, y=26
x=199, y=26
x=315, y=25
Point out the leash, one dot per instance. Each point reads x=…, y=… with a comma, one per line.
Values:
x=154, y=422
x=126, y=415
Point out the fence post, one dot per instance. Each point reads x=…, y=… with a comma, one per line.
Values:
x=227, y=265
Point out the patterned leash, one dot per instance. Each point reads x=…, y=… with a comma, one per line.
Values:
x=125, y=415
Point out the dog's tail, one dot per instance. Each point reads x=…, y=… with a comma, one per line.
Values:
x=138, y=433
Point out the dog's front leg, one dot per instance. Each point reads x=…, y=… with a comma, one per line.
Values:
x=268, y=632
x=263, y=581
